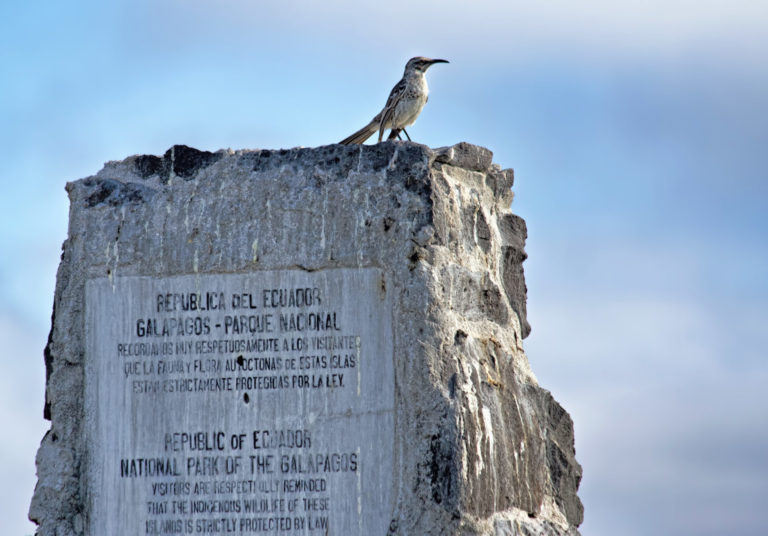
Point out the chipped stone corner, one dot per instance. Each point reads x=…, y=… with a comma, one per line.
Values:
x=480, y=447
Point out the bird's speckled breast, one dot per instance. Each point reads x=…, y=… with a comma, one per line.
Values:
x=410, y=106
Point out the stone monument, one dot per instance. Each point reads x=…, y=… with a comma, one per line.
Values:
x=319, y=341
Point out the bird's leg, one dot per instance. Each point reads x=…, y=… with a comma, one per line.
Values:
x=394, y=133
x=406, y=135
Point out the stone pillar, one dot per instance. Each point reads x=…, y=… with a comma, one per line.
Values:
x=305, y=341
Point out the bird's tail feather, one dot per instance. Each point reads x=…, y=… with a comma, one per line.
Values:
x=363, y=134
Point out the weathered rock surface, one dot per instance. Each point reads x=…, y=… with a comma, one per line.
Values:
x=480, y=447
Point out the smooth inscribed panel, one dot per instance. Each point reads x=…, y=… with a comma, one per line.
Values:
x=256, y=403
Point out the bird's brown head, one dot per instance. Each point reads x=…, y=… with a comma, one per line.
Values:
x=421, y=64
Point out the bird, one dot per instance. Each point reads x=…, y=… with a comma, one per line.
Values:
x=403, y=106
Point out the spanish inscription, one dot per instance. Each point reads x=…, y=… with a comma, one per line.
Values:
x=240, y=403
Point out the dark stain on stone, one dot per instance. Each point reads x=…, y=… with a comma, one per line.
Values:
x=119, y=230
x=482, y=232
x=513, y=234
x=246, y=398
x=491, y=350
x=410, y=155
x=148, y=165
x=187, y=160
x=104, y=189
x=376, y=157
x=328, y=163
x=557, y=463
x=411, y=164
x=413, y=258
x=334, y=161
x=439, y=469
x=113, y=192
x=421, y=186
x=388, y=222
x=257, y=161
x=460, y=337
x=182, y=160
x=48, y=358
x=513, y=280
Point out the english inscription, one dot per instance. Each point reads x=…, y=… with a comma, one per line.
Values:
x=240, y=403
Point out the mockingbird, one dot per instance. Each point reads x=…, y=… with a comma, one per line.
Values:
x=403, y=106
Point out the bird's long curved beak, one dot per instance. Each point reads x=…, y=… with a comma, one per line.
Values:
x=438, y=61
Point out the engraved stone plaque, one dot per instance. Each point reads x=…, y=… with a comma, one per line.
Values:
x=258, y=403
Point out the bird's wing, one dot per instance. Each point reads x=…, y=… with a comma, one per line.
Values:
x=387, y=114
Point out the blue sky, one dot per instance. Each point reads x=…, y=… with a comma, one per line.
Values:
x=638, y=134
